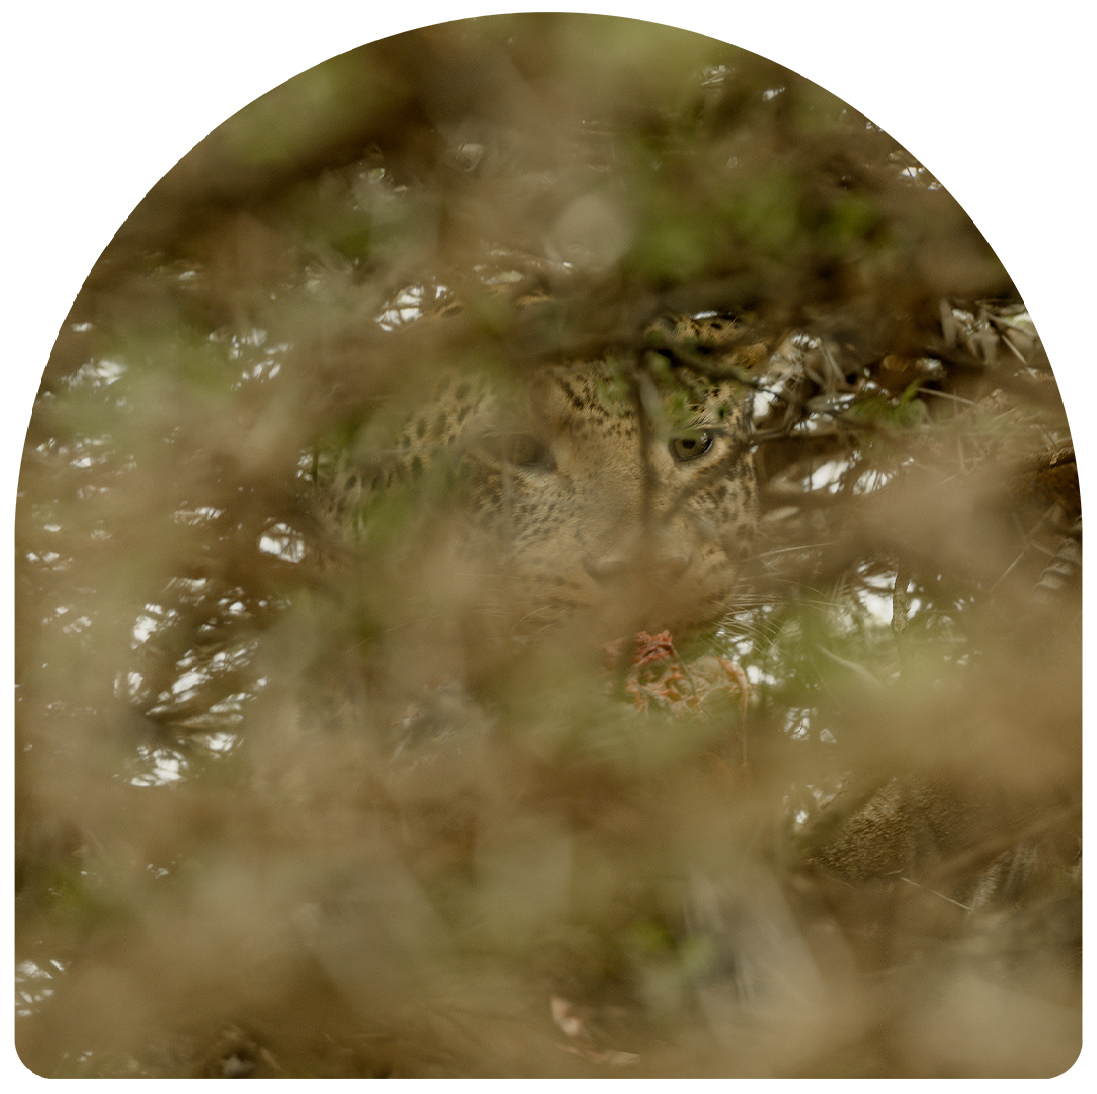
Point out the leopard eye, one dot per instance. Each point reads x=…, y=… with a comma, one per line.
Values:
x=690, y=445
x=519, y=450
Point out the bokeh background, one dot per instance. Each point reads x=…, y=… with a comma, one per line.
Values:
x=217, y=352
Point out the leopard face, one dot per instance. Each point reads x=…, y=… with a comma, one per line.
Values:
x=618, y=497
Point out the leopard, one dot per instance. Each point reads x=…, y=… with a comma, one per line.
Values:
x=595, y=500
x=616, y=492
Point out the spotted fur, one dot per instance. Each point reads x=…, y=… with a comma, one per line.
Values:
x=594, y=488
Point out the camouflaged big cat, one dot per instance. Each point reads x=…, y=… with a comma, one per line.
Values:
x=591, y=490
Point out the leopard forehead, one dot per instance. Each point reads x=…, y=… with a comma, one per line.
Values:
x=586, y=408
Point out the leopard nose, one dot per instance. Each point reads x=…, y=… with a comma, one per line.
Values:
x=657, y=557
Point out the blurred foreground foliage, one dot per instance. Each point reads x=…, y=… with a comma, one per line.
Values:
x=273, y=819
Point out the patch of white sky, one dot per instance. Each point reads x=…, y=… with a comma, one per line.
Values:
x=408, y=304
x=98, y=373
x=283, y=542
x=164, y=766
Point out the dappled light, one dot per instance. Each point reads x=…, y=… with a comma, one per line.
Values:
x=548, y=546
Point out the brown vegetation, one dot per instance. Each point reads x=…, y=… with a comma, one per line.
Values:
x=276, y=817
